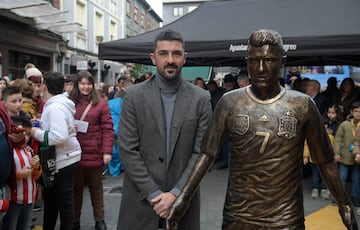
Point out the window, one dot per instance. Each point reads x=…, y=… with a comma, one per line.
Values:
x=135, y=14
x=80, y=43
x=18, y=60
x=128, y=7
x=81, y=14
x=142, y=20
x=113, y=6
x=178, y=11
x=128, y=30
x=100, y=2
x=99, y=24
x=113, y=30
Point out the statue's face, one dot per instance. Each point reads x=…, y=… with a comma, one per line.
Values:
x=264, y=64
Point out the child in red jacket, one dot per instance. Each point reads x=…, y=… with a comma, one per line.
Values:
x=28, y=170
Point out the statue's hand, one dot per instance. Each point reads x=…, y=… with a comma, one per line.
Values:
x=171, y=225
x=348, y=217
x=176, y=213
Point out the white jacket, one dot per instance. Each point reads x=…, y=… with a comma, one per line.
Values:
x=58, y=119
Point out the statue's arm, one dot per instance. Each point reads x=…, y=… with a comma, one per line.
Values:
x=183, y=201
x=209, y=149
x=330, y=174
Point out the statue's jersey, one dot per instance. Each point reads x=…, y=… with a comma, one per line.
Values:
x=266, y=156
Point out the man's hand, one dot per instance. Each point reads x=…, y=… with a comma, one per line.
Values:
x=35, y=162
x=348, y=217
x=306, y=160
x=107, y=158
x=337, y=157
x=17, y=137
x=162, y=203
x=24, y=173
x=33, y=130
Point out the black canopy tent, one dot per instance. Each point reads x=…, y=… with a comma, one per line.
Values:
x=316, y=32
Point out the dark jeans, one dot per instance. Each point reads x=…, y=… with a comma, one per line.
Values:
x=60, y=200
x=316, y=180
x=18, y=217
x=92, y=178
x=345, y=170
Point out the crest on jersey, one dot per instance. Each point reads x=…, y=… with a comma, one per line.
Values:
x=287, y=126
x=241, y=124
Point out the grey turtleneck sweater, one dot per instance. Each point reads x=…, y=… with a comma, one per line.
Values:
x=168, y=91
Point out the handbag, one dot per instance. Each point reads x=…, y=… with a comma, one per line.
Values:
x=47, y=161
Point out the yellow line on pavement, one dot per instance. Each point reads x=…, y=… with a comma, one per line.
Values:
x=327, y=218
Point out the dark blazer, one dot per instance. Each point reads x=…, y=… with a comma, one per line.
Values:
x=322, y=102
x=143, y=150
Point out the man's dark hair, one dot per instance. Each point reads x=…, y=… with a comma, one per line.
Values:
x=169, y=35
x=18, y=120
x=70, y=78
x=355, y=105
x=265, y=37
x=213, y=83
x=230, y=78
x=9, y=90
x=54, y=82
x=121, y=79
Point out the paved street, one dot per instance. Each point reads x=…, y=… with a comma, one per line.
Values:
x=213, y=188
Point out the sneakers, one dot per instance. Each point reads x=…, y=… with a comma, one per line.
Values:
x=314, y=193
x=76, y=226
x=222, y=166
x=325, y=194
x=100, y=225
x=36, y=209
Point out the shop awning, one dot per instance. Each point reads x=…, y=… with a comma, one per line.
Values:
x=44, y=15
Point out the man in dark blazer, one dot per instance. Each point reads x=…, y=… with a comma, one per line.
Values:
x=322, y=102
x=162, y=125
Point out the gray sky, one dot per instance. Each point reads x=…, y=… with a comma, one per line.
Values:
x=156, y=5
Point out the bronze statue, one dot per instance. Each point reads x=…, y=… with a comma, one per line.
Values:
x=267, y=126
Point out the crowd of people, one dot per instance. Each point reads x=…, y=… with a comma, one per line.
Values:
x=339, y=107
x=166, y=133
x=79, y=119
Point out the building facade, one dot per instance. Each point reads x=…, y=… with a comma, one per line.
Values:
x=140, y=18
x=104, y=20
x=175, y=9
x=23, y=39
x=65, y=35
